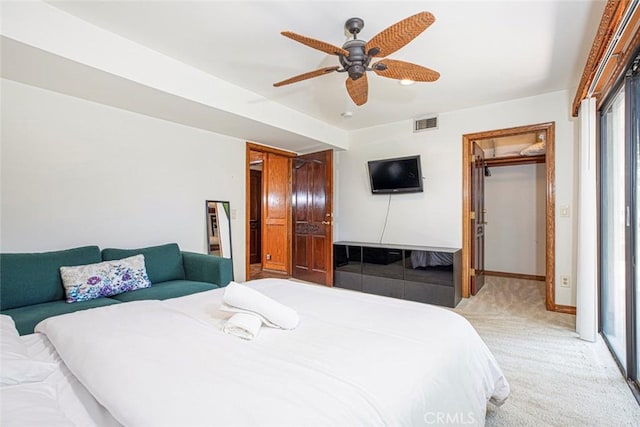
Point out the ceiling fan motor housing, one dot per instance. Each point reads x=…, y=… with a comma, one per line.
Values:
x=357, y=62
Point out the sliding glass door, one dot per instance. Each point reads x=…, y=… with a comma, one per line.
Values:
x=613, y=227
x=620, y=222
x=633, y=107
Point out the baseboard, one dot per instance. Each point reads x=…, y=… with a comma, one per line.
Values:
x=265, y=273
x=566, y=309
x=514, y=275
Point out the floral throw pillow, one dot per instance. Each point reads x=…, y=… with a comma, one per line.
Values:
x=85, y=282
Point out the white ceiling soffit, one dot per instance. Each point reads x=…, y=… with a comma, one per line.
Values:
x=29, y=65
x=48, y=48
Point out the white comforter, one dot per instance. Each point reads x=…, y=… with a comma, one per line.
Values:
x=57, y=401
x=355, y=359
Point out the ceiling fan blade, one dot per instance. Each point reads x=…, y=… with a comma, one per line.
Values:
x=316, y=44
x=358, y=89
x=399, y=34
x=401, y=70
x=306, y=76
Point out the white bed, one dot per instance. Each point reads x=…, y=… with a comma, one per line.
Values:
x=355, y=359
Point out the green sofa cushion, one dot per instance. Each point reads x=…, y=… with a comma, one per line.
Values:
x=26, y=318
x=163, y=263
x=34, y=278
x=160, y=291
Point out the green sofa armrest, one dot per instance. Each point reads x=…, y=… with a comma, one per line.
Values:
x=207, y=268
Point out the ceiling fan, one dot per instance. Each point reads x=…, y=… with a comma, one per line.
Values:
x=356, y=55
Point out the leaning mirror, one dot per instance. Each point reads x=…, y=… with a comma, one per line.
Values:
x=219, y=228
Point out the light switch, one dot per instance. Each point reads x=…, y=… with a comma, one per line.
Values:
x=234, y=213
x=565, y=211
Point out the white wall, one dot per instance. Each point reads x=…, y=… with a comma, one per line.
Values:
x=515, y=198
x=78, y=173
x=435, y=216
x=75, y=172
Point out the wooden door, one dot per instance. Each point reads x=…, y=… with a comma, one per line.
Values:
x=276, y=232
x=255, y=216
x=312, y=203
x=477, y=218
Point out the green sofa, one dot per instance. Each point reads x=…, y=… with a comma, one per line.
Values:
x=31, y=288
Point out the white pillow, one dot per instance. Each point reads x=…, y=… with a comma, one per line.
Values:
x=16, y=367
x=534, y=149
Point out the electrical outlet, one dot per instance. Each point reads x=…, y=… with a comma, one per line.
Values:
x=268, y=257
x=234, y=213
x=565, y=282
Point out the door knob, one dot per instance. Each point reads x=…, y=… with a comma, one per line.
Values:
x=326, y=222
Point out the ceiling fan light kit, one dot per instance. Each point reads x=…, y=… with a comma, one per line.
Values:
x=355, y=55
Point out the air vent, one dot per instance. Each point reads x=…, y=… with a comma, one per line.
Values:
x=426, y=123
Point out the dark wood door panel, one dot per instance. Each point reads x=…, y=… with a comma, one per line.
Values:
x=313, y=213
x=320, y=255
x=256, y=195
x=255, y=242
x=255, y=217
x=301, y=193
x=319, y=189
x=300, y=253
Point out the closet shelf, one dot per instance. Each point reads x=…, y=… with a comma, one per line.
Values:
x=514, y=160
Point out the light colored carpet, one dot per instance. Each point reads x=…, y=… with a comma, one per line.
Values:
x=556, y=378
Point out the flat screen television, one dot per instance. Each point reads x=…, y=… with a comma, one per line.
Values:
x=400, y=175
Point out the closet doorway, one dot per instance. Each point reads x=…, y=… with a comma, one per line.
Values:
x=514, y=178
x=474, y=222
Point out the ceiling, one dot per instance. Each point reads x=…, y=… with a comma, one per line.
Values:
x=485, y=51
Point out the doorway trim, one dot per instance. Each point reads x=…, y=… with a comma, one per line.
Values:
x=467, y=141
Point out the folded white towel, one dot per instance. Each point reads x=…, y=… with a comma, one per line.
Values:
x=241, y=298
x=243, y=325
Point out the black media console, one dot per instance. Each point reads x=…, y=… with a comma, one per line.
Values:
x=416, y=273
